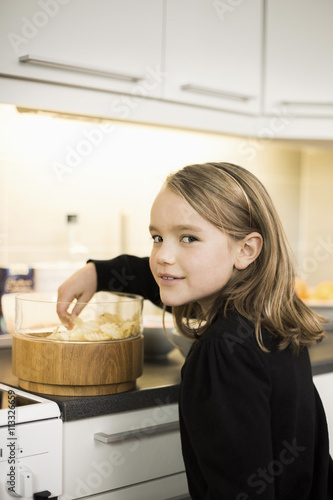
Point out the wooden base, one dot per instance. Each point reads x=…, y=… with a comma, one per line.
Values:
x=76, y=390
x=77, y=368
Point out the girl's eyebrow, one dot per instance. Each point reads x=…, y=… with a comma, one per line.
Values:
x=180, y=227
x=186, y=227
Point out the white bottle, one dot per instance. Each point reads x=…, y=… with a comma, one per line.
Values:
x=77, y=252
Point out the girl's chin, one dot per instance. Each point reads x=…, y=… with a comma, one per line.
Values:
x=205, y=305
x=167, y=301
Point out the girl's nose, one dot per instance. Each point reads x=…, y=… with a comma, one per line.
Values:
x=165, y=255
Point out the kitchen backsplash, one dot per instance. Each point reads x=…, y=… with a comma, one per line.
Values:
x=108, y=173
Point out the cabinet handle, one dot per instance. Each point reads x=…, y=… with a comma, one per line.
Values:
x=54, y=63
x=181, y=497
x=306, y=103
x=134, y=433
x=217, y=93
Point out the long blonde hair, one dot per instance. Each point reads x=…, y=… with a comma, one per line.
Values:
x=234, y=200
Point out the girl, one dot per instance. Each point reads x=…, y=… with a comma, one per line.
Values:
x=252, y=423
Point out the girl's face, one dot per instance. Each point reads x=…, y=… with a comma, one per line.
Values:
x=191, y=259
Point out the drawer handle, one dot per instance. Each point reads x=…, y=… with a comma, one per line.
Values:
x=54, y=63
x=217, y=93
x=181, y=497
x=134, y=433
x=306, y=103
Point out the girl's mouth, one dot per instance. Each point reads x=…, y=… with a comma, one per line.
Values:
x=168, y=277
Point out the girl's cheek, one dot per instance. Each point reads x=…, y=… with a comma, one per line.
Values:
x=151, y=261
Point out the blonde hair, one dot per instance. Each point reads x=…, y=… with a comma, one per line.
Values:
x=234, y=200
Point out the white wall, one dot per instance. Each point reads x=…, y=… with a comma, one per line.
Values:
x=316, y=209
x=53, y=166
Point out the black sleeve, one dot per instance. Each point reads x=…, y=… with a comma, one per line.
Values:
x=128, y=274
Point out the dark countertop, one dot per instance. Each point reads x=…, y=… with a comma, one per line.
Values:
x=156, y=387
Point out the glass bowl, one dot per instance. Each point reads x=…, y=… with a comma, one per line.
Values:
x=107, y=317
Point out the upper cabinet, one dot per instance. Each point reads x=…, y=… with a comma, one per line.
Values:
x=260, y=68
x=213, y=54
x=299, y=58
x=107, y=45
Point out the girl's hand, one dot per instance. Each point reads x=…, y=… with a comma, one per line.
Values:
x=81, y=286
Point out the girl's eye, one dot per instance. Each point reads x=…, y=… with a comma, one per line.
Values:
x=188, y=239
x=157, y=239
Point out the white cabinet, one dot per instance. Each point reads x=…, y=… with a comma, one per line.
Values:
x=113, y=453
x=109, y=45
x=213, y=53
x=259, y=68
x=324, y=385
x=299, y=58
x=173, y=487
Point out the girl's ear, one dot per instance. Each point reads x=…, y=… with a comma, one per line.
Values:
x=248, y=250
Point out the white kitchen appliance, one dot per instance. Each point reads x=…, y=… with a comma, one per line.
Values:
x=30, y=446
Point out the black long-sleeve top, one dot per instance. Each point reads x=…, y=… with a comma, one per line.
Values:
x=252, y=423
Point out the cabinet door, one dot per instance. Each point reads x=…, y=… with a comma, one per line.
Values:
x=112, y=45
x=115, y=451
x=324, y=384
x=213, y=53
x=299, y=57
x=173, y=487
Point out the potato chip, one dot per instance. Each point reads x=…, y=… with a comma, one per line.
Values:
x=107, y=326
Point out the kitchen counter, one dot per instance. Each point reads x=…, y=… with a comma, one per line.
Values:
x=322, y=355
x=157, y=386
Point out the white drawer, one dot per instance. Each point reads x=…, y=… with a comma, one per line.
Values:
x=166, y=488
x=145, y=445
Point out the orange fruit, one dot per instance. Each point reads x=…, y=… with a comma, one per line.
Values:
x=302, y=289
x=323, y=291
